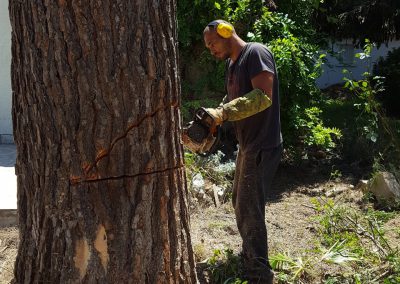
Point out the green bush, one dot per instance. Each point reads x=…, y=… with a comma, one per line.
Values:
x=225, y=267
x=372, y=128
x=299, y=65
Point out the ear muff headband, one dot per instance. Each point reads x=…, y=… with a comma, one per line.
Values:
x=223, y=29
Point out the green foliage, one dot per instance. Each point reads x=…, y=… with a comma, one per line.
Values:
x=366, y=104
x=318, y=134
x=338, y=253
x=300, y=11
x=359, y=19
x=335, y=174
x=290, y=269
x=365, y=91
x=299, y=64
x=371, y=128
x=357, y=239
x=350, y=239
x=369, y=137
x=225, y=267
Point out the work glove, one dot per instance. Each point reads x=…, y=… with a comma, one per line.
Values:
x=218, y=114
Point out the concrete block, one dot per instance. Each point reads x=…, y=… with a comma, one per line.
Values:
x=385, y=186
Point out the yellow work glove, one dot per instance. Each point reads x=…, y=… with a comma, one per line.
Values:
x=218, y=114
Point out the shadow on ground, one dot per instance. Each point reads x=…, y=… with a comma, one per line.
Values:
x=311, y=173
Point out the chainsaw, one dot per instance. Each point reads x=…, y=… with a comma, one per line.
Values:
x=201, y=135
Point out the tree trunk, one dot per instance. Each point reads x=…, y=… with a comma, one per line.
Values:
x=101, y=182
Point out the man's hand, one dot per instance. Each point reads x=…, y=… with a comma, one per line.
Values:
x=218, y=114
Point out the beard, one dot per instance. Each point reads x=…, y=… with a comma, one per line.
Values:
x=221, y=56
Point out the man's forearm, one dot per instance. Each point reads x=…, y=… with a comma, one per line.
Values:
x=246, y=106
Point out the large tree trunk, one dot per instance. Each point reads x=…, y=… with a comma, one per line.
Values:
x=101, y=183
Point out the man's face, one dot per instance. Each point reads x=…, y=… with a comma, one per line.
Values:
x=217, y=45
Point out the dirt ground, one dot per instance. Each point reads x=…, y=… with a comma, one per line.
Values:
x=8, y=252
x=291, y=225
x=289, y=217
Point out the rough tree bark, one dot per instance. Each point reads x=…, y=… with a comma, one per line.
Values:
x=101, y=183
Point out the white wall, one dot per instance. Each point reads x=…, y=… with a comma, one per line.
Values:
x=5, y=74
x=344, y=58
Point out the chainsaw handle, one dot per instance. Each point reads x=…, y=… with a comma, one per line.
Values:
x=214, y=147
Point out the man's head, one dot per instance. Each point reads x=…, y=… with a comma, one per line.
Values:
x=218, y=37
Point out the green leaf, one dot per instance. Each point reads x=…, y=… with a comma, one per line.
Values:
x=217, y=5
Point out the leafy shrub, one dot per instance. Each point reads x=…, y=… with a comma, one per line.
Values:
x=299, y=65
x=317, y=133
x=373, y=130
x=225, y=267
x=358, y=238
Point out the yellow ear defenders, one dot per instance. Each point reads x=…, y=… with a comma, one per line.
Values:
x=223, y=29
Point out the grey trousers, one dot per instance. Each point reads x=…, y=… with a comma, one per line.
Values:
x=253, y=179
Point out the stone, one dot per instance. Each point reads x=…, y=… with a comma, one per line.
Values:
x=198, y=184
x=334, y=192
x=385, y=187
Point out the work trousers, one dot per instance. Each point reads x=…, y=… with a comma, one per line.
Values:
x=253, y=179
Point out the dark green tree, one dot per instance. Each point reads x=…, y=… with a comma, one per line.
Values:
x=377, y=20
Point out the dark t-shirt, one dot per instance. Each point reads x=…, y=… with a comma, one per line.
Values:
x=262, y=130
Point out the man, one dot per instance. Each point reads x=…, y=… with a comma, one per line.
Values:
x=252, y=104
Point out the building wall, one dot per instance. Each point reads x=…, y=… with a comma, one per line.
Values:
x=343, y=57
x=5, y=75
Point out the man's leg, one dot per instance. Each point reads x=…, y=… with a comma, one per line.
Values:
x=254, y=173
x=236, y=179
x=268, y=162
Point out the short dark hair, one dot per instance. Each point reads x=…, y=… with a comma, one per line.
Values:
x=213, y=25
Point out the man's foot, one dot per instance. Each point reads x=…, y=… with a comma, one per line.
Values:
x=257, y=272
x=259, y=276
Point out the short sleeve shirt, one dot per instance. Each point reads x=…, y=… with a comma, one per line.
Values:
x=262, y=130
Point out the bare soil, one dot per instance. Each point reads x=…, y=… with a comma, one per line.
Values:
x=290, y=218
x=8, y=252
